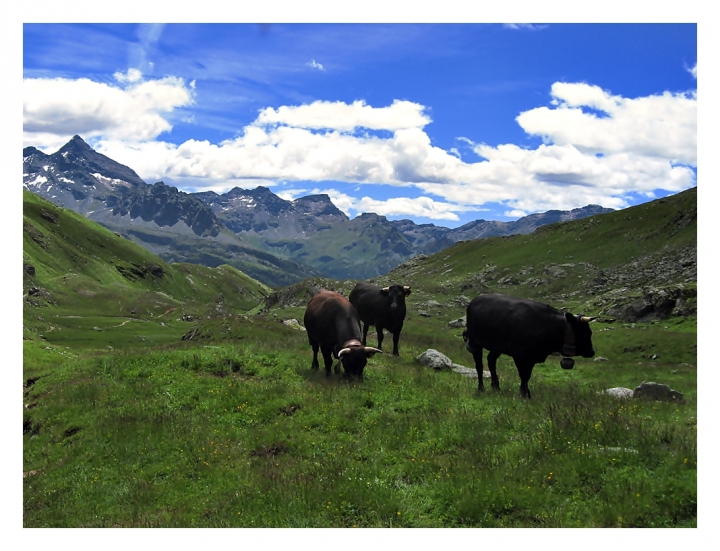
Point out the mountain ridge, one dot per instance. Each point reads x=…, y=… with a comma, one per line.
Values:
x=291, y=239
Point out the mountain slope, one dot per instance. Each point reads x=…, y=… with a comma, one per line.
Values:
x=636, y=264
x=75, y=268
x=173, y=224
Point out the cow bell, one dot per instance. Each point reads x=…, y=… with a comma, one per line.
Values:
x=567, y=363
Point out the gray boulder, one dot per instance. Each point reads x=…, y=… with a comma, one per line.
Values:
x=657, y=391
x=460, y=322
x=470, y=372
x=619, y=392
x=435, y=360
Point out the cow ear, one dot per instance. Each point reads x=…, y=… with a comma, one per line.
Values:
x=385, y=292
x=570, y=318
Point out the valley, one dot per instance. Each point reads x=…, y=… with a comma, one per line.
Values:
x=168, y=394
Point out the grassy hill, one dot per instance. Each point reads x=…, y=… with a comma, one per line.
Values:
x=232, y=428
x=84, y=281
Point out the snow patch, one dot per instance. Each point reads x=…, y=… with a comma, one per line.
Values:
x=37, y=181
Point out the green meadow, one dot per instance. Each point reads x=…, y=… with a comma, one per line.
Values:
x=172, y=395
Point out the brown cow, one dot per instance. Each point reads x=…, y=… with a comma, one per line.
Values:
x=333, y=327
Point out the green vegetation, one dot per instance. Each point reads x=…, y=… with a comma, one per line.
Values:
x=127, y=425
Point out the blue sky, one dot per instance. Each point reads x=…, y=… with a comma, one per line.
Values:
x=441, y=123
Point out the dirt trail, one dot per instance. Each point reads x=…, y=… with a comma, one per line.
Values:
x=167, y=311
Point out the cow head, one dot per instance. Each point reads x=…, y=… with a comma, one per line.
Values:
x=354, y=358
x=397, y=294
x=581, y=335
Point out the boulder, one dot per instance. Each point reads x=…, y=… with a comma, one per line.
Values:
x=460, y=322
x=470, y=372
x=435, y=360
x=619, y=392
x=657, y=391
x=295, y=324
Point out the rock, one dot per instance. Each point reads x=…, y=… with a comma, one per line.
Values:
x=657, y=391
x=460, y=322
x=600, y=359
x=435, y=360
x=618, y=392
x=29, y=269
x=617, y=450
x=470, y=372
x=423, y=314
x=295, y=324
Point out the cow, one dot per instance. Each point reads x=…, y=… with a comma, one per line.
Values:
x=333, y=327
x=527, y=331
x=383, y=308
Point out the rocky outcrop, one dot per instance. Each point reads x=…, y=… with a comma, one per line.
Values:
x=657, y=391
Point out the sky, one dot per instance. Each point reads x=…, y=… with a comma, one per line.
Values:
x=438, y=123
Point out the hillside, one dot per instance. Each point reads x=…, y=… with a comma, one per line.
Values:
x=637, y=264
x=77, y=273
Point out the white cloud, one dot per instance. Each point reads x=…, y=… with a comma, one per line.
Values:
x=132, y=75
x=526, y=26
x=315, y=65
x=345, y=117
x=136, y=113
x=396, y=206
x=599, y=147
x=663, y=126
x=693, y=71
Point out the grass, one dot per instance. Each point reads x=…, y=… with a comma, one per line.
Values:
x=218, y=434
x=125, y=424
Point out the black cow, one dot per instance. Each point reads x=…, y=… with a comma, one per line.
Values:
x=333, y=326
x=526, y=330
x=383, y=308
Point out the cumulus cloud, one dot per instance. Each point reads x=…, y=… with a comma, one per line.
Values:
x=595, y=121
x=693, y=71
x=345, y=117
x=134, y=113
x=396, y=206
x=598, y=147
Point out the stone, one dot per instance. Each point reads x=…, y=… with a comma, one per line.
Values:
x=618, y=392
x=295, y=324
x=600, y=359
x=435, y=360
x=470, y=372
x=460, y=322
x=657, y=391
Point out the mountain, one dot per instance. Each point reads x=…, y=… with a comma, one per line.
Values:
x=272, y=239
x=366, y=246
x=74, y=268
x=178, y=226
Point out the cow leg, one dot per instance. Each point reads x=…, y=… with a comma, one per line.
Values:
x=492, y=365
x=315, y=348
x=327, y=356
x=477, y=356
x=396, y=338
x=524, y=368
x=380, y=335
x=366, y=326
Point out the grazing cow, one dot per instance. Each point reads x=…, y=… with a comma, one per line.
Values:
x=333, y=326
x=525, y=330
x=383, y=308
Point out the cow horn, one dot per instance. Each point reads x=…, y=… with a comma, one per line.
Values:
x=343, y=351
x=406, y=287
x=588, y=319
x=373, y=350
x=386, y=289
